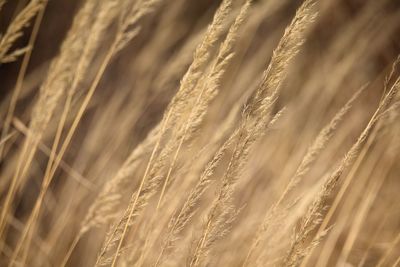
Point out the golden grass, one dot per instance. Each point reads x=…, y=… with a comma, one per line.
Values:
x=201, y=133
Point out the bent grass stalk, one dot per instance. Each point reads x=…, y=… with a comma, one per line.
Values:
x=132, y=208
x=21, y=75
x=51, y=168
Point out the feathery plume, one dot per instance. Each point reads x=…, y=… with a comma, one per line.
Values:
x=288, y=47
x=15, y=31
x=222, y=213
x=313, y=216
x=54, y=87
x=309, y=158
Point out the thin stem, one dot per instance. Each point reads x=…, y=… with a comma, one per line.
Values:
x=21, y=75
x=132, y=208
